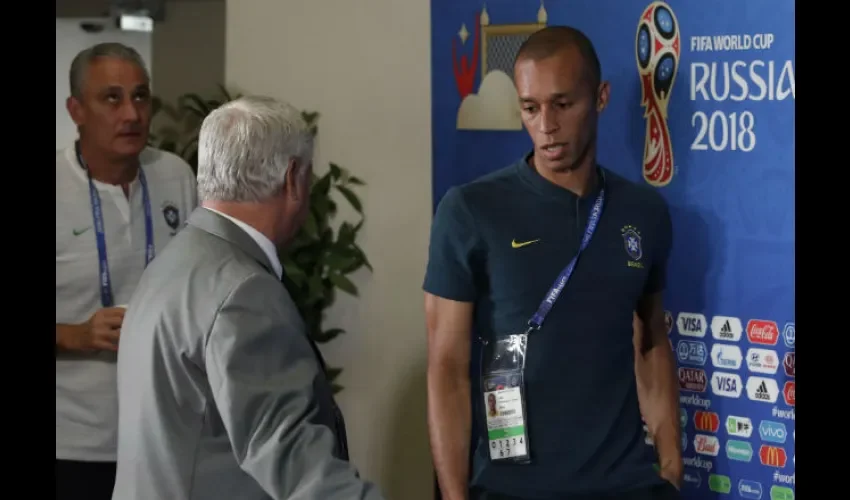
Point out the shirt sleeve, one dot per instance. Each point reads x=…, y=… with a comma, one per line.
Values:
x=450, y=271
x=664, y=236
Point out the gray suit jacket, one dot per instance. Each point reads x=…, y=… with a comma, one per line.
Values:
x=221, y=393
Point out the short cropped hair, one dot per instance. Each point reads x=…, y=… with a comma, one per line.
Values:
x=84, y=59
x=245, y=146
x=552, y=39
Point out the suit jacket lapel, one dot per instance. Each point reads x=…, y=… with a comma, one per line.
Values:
x=214, y=223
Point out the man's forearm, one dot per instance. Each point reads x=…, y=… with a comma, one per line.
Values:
x=449, y=423
x=659, y=396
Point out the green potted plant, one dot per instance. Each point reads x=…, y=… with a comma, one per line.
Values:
x=317, y=264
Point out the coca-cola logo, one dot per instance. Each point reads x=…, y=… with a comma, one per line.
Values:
x=788, y=393
x=789, y=363
x=760, y=331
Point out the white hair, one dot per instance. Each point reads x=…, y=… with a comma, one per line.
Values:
x=245, y=146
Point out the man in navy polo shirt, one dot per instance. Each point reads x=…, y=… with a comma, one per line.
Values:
x=499, y=254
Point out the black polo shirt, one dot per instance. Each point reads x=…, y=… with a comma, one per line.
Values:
x=583, y=419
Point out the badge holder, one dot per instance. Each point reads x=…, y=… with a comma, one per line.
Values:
x=503, y=384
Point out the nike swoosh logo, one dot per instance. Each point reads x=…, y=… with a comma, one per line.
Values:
x=520, y=244
x=78, y=232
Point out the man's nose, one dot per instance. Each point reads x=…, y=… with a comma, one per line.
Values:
x=548, y=122
x=130, y=111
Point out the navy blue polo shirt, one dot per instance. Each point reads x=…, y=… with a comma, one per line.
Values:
x=583, y=418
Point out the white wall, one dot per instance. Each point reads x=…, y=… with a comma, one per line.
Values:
x=70, y=39
x=366, y=67
x=188, y=49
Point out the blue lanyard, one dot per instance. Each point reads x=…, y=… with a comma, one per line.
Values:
x=105, y=280
x=561, y=282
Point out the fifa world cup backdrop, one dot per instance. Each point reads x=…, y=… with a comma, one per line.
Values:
x=702, y=109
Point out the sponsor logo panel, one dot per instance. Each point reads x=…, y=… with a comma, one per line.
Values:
x=705, y=444
x=761, y=331
x=762, y=389
x=750, y=489
x=727, y=385
x=691, y=324
x=789, y=362
x=781, y=493
x=692, y=352
x=706, y=421
x=719, y=483
x=739, y=426
x=762, y=360
x=789, y=335
x=771, y=431
x=788, y=392
x=692, y=379
x=726, y=356
x=739, y=450
x=726, y=328
x=772, y=456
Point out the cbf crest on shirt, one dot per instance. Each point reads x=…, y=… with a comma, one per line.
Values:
x=172, y=216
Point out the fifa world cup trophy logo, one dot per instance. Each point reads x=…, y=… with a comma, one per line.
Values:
x=657, y=52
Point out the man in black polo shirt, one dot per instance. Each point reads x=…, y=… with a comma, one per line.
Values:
x=501, y=245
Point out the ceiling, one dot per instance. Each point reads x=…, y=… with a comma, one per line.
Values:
x=100, y=8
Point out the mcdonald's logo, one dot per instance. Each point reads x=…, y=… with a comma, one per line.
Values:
x=707, y=421
x=772, y=456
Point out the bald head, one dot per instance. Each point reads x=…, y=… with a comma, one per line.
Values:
x=551, y=40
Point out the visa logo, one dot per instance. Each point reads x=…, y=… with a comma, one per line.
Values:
x=750, y=489
x=773, y=432
x=692, y=324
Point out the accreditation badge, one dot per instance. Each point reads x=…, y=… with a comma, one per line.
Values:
x=503, y=388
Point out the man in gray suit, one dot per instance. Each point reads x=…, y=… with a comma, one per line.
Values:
x=222, y=395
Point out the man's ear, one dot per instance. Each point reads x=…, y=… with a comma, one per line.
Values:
x=297, y=179
x=75, y=110
x=602, y=95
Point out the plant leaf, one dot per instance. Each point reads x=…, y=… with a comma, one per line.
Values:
x=352, y=198
x=356, y=181
x=343, y=283
x=295, y=273
x=336, y=172
x=328, y=335
x=332, y=373
x=310, y=226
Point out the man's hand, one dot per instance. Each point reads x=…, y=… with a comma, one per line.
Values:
x=100, y=333
x=658, y=389
x=673, y=473
x=449, y=324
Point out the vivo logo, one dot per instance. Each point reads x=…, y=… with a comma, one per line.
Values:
x=773, y=432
